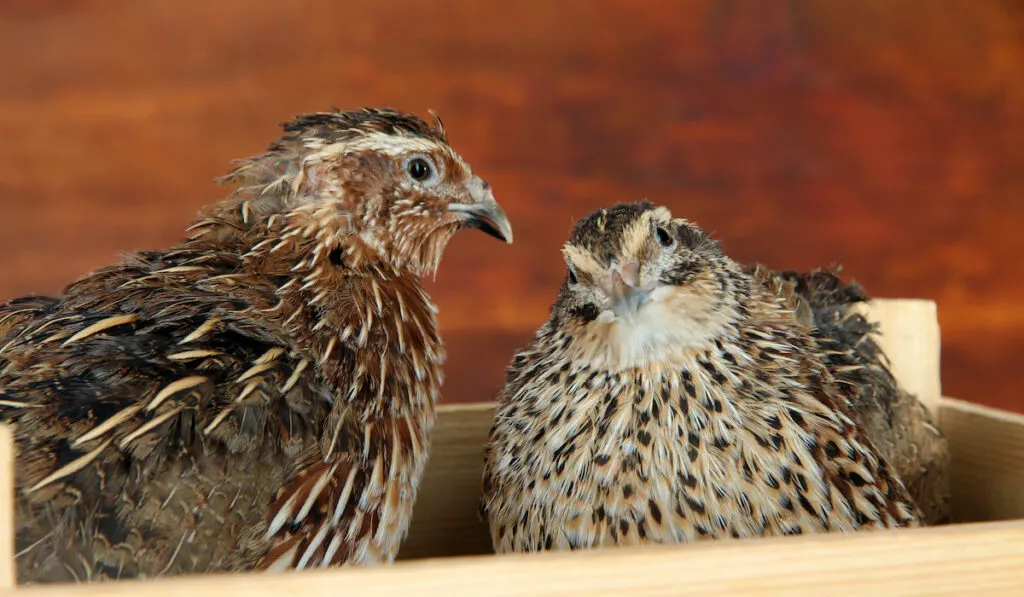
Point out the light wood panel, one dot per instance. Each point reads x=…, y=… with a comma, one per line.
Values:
x=987, y=447
x=982, y=559
x=987, y=475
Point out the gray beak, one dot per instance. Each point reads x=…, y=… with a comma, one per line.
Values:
x=484, y=213
x=621, y=284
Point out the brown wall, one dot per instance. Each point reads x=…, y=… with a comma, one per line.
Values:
x=877, y=133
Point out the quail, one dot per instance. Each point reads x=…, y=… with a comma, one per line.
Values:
x=260, y=396
x=674, y=395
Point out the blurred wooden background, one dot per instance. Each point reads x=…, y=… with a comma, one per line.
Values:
x=887, y=135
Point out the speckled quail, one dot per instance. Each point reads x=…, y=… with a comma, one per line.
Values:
x=674, y=395
x=260, y=396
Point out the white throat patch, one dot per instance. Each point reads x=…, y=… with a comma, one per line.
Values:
x=667, y=326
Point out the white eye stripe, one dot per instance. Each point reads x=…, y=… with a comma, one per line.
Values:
x=402, y=147
x=389, y=145
x=392, y=145
x=581, y=258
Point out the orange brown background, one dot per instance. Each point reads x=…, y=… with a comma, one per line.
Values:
x=885, y=135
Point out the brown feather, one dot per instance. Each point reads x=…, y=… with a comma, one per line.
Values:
x=259, y=396
x=897, y=423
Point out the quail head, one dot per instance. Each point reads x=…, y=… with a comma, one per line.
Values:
x=672, y=396
x=260, y=396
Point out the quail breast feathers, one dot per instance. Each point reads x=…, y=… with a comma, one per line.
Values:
x=674, y=395
x=260, y=396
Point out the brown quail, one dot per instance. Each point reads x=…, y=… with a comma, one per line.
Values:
x=672, y=396
x=260, y=396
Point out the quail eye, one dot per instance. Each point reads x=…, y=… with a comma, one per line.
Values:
x=419, y=169
x=665, y=238
x=572, y=275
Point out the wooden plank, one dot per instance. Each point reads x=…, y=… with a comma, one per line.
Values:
x=987, y=447
x=982, y=559
x=445, y=520
x=987, y=475
x=909, y=335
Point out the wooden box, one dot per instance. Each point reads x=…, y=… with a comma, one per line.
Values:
x=448, y=550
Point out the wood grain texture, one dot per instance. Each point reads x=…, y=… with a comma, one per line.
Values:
x=987, y=472
x=910, y=337
x=876, y=134
x=987, y=468
x=970, y=559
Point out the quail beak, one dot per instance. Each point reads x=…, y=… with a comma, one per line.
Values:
x=488, y=217
x=484, y=213
x=621, y=284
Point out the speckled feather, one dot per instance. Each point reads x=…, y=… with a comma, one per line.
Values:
x=260, y=396
x=708, y=411
x=898, y=424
